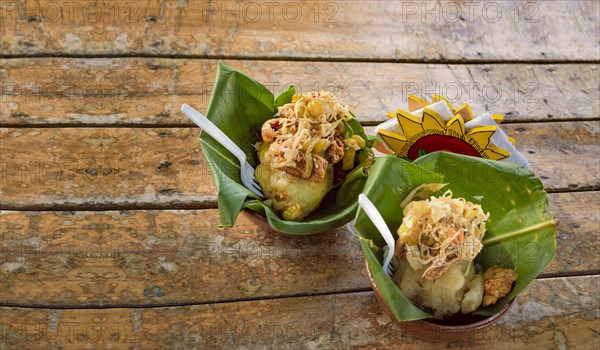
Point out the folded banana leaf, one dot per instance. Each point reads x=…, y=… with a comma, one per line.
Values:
x=521, y=231
x=239, y=106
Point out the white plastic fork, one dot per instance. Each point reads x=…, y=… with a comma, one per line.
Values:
x=380, y=224
x=247, y=171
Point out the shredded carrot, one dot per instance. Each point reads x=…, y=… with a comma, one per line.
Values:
x=459, y=238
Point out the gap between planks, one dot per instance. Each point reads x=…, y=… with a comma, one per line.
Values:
x=191, y=125
x=223, y=301
x=170, y=206
x=311, y=59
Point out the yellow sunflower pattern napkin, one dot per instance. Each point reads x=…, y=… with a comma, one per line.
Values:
x=437, y=126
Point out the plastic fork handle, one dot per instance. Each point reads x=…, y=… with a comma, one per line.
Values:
x=211, y=129
x=377, y=220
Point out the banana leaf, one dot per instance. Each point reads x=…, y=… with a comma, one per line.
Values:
x=521, y=231
x=239, y=106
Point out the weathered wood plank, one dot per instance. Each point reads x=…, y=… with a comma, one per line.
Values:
x=126, y=258
x=100, y=168
x=552, y=313
x=539, y=30
x=122, y=258
x=578, y=242
x=151, y=91
x=550, y=153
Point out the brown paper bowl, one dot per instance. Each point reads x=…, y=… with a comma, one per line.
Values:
x=457, y=328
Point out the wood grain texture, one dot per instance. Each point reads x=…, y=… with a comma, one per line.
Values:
x=151, y=91
x=130, y=258
x=107, y=168
x=152, y=269
x=554, y=161
x=125, y=258
x=552, y=313
x=98, y=167
x=411, y=30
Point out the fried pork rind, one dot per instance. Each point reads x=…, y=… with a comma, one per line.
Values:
x=497, y=283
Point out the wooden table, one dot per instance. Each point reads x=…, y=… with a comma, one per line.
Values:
x=109, y=229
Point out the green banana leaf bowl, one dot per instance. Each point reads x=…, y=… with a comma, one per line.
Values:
x=521, y=231
x=239, y=106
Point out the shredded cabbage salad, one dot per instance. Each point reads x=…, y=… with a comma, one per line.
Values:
x=308, y=122
x=441, y=231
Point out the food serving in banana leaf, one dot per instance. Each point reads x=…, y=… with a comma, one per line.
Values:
x=306, y=150
x=519, y=216
x=437, y=242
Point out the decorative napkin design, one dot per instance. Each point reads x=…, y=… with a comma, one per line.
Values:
x=437, y=126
